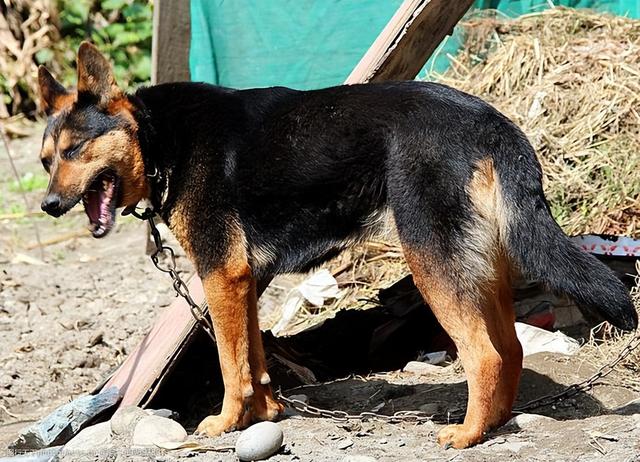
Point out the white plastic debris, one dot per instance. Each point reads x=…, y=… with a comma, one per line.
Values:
x=536, y=109
x=435, y=358
x=536, y=340
x=420, y=368
x=316, y=289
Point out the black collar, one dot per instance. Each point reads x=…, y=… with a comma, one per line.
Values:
x=156, y=173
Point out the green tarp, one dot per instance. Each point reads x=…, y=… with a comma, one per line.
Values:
x=313, y=43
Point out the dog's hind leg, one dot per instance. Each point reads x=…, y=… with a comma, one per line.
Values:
x=507, y=344
x=460, y=267
x=482, y=329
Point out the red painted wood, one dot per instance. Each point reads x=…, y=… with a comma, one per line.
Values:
x=145, y=365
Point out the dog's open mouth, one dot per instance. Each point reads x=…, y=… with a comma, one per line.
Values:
x=100, y=202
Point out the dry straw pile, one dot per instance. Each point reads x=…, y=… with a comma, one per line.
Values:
x=25, y=29
x=571, y=80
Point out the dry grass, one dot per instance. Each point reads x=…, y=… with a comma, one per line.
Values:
x=607, y=342
x=360, y=272
x=26, y=28
x=571, y=80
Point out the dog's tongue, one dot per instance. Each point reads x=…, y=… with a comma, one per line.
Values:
x=92, y=206
x=98, y=206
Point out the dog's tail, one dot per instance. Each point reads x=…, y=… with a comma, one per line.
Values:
x=539, y=248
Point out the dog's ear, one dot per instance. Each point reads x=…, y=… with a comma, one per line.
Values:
x=52, y=93
x=95, y=75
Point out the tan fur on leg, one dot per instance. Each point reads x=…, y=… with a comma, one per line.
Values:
x=228, y=291
x=480, y=329
x=263, y=405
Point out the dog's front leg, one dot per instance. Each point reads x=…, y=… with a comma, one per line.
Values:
x=264, y=406
x=229, y=292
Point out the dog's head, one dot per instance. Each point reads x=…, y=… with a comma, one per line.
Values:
x=90, y=147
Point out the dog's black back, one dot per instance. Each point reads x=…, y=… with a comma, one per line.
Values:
x=305, y=173
x=308, y=171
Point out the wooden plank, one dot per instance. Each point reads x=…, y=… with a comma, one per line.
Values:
x=144, y=367
x=171, y=41
x=408, y=40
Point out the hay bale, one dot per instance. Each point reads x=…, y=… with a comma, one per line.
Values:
x=571, y=80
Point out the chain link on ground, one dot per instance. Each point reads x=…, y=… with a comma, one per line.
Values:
x=198, y=313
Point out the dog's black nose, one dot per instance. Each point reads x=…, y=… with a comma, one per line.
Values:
x=51, y=205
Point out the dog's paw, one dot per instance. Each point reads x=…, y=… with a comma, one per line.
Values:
x=458, y=436
x=265, y=407
x=215, y=425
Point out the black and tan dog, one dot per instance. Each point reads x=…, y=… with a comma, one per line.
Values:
x=265, y=181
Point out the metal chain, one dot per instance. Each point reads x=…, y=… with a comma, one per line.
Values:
x=417, y=417
x=182, y=290
x=169, y=267
x=584, y=385
x=458, y=416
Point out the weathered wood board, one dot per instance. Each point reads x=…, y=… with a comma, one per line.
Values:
x=139, y=375
x=408, y=40
x=171, y=41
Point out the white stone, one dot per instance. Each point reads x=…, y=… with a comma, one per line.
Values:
x=527, y=420
x=259, y=441
x=168, y=413
x=303, y=398
x=153, y=430
x=124, y=420
x=345, y=443
x=94, y=437
x=420, y=368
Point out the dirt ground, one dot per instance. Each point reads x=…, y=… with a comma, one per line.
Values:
x=70, y=316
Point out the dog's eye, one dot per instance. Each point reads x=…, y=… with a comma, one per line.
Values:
x=72, y=151
x=46, y=163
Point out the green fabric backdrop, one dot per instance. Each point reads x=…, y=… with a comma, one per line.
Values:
x=313, y=43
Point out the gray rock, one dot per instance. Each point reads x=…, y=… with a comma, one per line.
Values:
x=430, y=408
x=125, y=419
x=632, y=407
x=345, y=443
x=66, y=421
x=168, y=413
x=94, y=437
x=153, y=430
x=259, y=441
x=420, y=368
x=301, y=397
x=524, y=421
